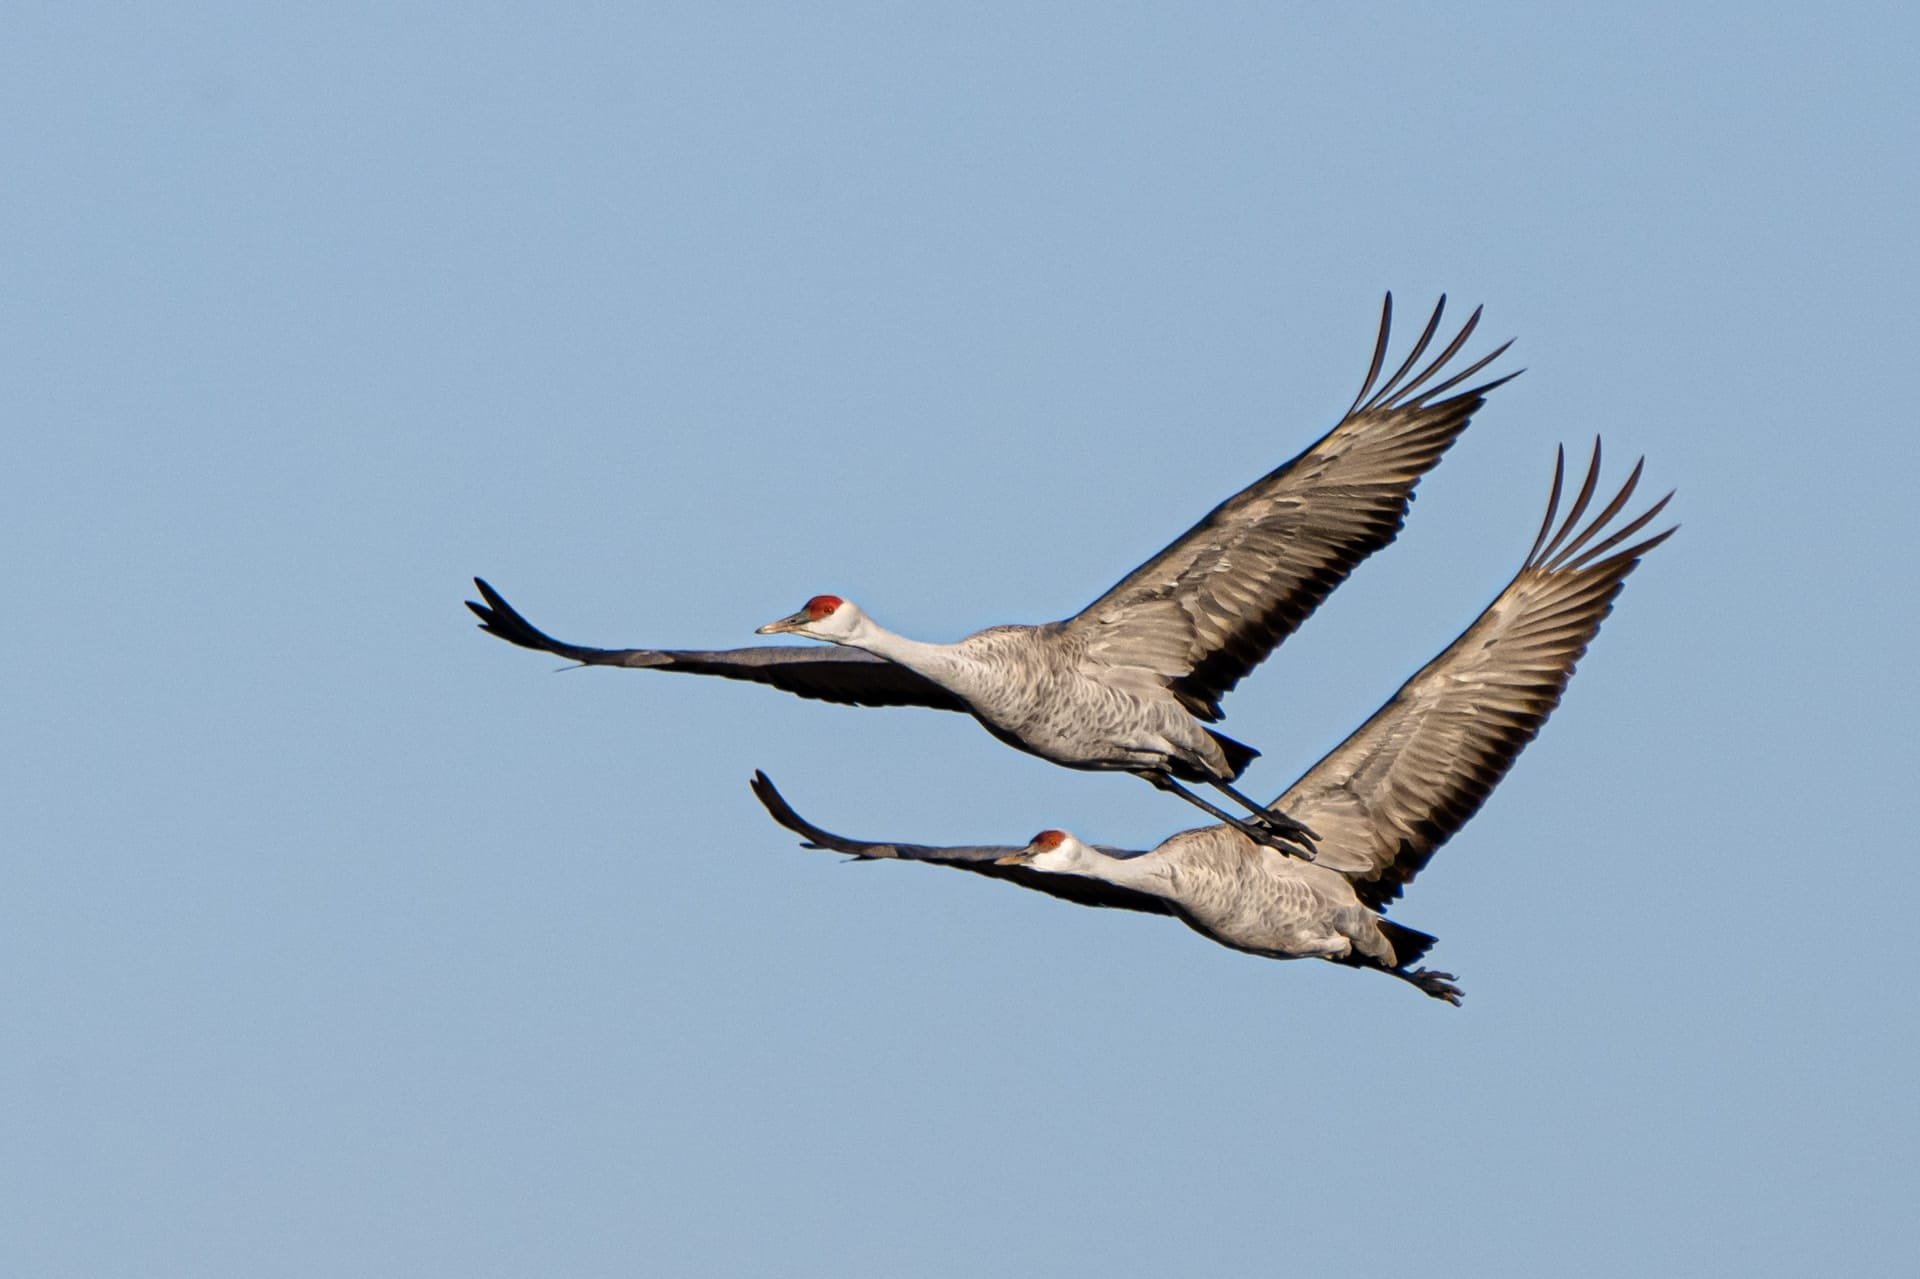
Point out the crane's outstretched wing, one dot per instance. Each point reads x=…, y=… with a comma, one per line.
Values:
x=1385, y=799
x=1210, y=607
x=981, y=859
x=830, y=674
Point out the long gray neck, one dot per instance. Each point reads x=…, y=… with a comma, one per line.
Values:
x=1146, y=873
x=944, y=664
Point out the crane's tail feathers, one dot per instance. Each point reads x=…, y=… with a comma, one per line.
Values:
x=1409, y=944
x=1238, y=754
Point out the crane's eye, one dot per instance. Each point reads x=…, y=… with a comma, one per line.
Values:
x=823, y=605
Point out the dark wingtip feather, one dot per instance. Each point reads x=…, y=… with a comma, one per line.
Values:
x=496, y=615
x=1566, y=558
x=1567, y=537
x=503, y=621
x=1589, y=555
x=775, y=803
x=1379, y=354
x=1625, y=560
x=1481, y=391
x=812, y=836
x=1388, y=390
x=1553, y=501
x=490, y=595
x=1571, y=548
x=1395, y=390
x=1409, y=390
x=1587, y=486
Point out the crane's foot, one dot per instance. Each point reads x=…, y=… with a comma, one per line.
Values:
x=1438, y=984
x=1287, y=828
x=1263, y=826
x=1272, y=818
x=1264, y=833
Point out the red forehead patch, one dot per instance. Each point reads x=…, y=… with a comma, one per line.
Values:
x=823, y=605
x=1048, y=840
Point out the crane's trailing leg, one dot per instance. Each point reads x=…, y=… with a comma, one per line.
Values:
x=1272, y=818
x=1259, y=833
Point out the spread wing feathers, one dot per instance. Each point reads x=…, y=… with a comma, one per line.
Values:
x=830, y=674
x=1386, y=799
x=1210, y=607
x=981, y=859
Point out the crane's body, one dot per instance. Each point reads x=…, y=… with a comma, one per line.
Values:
x=1043, y=690
x=1239, y=893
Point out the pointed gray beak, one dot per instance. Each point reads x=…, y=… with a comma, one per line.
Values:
x=1020, y=858
x=786, y=624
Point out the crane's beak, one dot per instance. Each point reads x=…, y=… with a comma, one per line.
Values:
x=1020, y=858
x=785, y=624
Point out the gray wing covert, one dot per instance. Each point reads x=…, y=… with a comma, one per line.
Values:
x=1210, y=607
x=1385, y=799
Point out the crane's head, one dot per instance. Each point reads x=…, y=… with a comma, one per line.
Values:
x=1054, y=850
x=826, y=617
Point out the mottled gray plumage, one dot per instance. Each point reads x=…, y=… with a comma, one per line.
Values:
x=1383, y=801
x=1130, y=682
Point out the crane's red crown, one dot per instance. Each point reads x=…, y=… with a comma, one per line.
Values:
x=1048, y=840
x=823, y=605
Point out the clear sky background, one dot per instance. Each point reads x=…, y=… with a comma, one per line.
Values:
x=337, y=938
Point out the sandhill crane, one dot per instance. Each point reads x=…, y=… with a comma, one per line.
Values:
x=1383, y=801
x=1130, y=683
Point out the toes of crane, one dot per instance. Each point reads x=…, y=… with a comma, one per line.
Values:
x=1438, y=984
x=1282, y=824
x=1281, y=841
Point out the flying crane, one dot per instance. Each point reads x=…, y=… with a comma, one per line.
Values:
x=1131, y=682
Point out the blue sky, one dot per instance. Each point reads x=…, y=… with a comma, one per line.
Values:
x=339, y=938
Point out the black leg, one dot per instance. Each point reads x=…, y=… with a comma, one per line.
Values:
x=1259, y=833
x=1273, y=817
